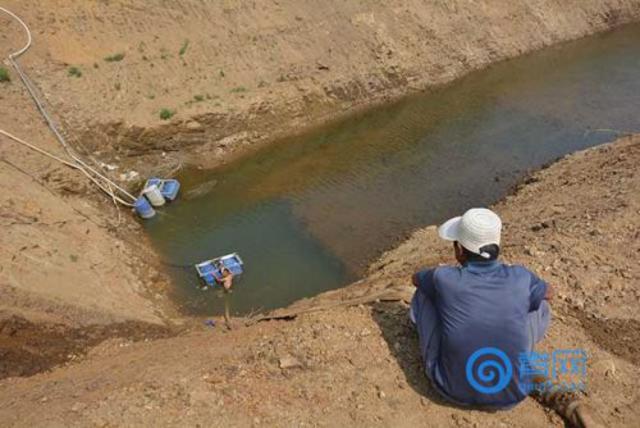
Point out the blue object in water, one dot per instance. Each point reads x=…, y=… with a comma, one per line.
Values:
x=153, y=181
x=210, y=270
x=169, y=189
x=206, y=273
x=143, y=207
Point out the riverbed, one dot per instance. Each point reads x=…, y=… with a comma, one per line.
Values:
x=308, y=213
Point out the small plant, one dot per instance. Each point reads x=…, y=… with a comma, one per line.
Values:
x=73, y=257
x=151, y=96
x=166, y=114
x=115, y=57
x=117, y=86
x=238, y=89
x=183, y=49
x=198, y=98
x=221, y=73
x=4, y=75
x=75, y=72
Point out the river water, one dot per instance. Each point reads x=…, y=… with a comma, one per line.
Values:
x=308, y=213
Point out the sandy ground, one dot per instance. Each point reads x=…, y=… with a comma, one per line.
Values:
x=575, y=223
x=240, y=73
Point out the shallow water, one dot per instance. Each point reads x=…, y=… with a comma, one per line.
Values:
x=308, y=213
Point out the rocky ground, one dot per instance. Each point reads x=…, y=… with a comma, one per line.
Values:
x=334, y=360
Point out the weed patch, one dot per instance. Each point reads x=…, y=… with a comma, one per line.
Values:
x=166, y=114
x=115, y=57
x=4, y=75
x=183, y=49
x=75, y=72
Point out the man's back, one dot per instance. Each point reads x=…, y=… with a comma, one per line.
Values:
x=481, y=305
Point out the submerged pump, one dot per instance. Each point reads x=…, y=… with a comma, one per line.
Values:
x=155, y=193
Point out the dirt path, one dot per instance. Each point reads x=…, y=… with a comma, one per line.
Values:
x=359, y=365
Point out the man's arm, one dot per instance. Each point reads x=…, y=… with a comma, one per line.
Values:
x=539, y=290
x=424, y=281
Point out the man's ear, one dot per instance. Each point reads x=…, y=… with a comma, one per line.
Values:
x=459, y=253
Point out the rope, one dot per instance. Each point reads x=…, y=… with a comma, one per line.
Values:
x=105, y=184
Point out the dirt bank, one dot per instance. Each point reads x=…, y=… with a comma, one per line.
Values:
x=65, y=255
x=575, y=223
x=237, y=73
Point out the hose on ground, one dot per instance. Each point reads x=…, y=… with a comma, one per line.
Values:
x=63, y=161
x=104, y=183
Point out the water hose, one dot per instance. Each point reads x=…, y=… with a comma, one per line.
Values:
x=104, y=183
x=59, y=159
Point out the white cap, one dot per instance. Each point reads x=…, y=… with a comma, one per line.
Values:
x=475, y=229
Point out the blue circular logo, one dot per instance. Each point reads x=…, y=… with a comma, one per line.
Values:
x=494, y=373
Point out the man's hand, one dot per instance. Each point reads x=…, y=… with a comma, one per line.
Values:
x=548, y=295
x=414, y=280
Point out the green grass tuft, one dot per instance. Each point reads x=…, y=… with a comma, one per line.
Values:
x=238, y=89
x=75, y=72
x=4, y=75
x=166, y=114
x=198, y=98
x=183, y=49
x=115, y=57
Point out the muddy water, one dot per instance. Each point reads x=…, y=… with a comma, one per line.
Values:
x=308, y=214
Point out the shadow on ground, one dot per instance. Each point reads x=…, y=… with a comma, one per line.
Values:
x=402, y=339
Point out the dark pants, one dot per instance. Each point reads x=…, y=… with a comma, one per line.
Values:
x=424, y=315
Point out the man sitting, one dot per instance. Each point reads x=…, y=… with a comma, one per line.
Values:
x=476, y=309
